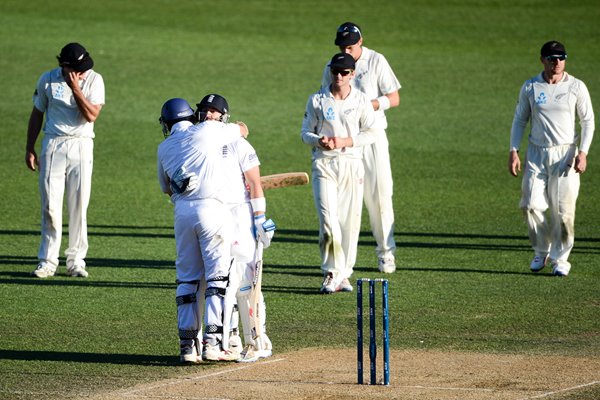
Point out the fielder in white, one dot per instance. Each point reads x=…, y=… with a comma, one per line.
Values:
x=337, y=125
x=71, y=96
x=375, y=78
x=556, y=156
x=245, y=198
x=190, y=171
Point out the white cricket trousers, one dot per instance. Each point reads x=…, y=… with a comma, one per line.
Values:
x=379, y=188
x=203, y=241
x=549, y=193
x=337, y=184
x=66, y=162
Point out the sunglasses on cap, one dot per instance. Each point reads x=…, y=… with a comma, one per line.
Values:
x=347, y=28
x=553, y=58
x=342, y=72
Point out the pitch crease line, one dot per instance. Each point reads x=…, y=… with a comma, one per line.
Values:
x=540, y=396
x=447, y=388
x=195, y=378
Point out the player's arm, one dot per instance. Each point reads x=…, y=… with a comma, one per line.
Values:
x=386, y=101
x=33, y=131
x=520, y=120
x=585, y=113
x=89, y=111
x=252, y=177
x=163, y=180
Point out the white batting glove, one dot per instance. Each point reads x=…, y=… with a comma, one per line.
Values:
x=263, y=229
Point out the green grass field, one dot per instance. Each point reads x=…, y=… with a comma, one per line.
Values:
x=463, y=281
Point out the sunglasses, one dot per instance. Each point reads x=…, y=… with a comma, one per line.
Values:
x=342, y=72
x=553, y=58
x=353, y=29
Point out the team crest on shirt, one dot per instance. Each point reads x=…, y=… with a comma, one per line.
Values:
x=541, y=99
x=330, y=114
x=59, y=92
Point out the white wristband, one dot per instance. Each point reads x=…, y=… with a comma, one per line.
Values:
x=384, y=103
x=259, y=204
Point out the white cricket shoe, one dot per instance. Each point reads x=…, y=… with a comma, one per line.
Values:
x=538, y=263
x=189, y=353
x=252, y=354
x=561, y=269
x=235, y=343
x=345, y=286
x=216, y=353
x=44, y=270
x=249, y=354
x=329, y=285
x=77, y=271
x=387, y=265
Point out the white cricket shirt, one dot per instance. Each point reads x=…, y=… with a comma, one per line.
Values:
x=552, y=109
x=54, y=97
x=238, y=157
x=352, y=117
x=197, y=149
x=373, y=76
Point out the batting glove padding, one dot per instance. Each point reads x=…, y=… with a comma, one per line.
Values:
x=264, y=229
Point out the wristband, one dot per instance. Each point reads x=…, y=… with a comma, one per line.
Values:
x=259, y=204
x=384, y=103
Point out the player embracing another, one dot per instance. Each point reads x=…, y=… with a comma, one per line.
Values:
x=190, y=172
x=337, y=124
x=245, y=198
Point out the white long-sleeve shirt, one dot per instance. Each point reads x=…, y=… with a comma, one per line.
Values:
x=352, y=117
x=373, y=76
x=196, y=149
x=552, y=109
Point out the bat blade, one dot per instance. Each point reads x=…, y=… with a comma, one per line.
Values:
x=284, y=180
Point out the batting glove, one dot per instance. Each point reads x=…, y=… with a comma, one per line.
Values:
x=264, y=229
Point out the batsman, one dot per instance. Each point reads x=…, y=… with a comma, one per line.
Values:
x=245, y=198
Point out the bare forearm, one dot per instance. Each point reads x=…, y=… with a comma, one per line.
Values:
x=89, y=111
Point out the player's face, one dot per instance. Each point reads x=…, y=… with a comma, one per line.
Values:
x=211, y=114
x=355, y=50
x=341, y=77
x=554, y=65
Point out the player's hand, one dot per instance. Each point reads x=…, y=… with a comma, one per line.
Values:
x=243, y=129
x=264, y=229
x=581, y=162
x=31, y=160
x=326, y=143
x=514, y=163
x=72, y=79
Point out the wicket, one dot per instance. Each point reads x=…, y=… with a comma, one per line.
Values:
x=372, y=332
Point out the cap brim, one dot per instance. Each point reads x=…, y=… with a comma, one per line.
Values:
x=85, y=65
x=347, y=40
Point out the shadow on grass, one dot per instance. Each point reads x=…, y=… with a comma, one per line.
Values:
x=26, y=279
x=93, y=358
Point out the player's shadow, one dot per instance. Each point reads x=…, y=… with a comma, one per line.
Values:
x=92, y=358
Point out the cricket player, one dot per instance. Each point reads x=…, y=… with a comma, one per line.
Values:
x=375, y=78
x=245, y=198
x=556, y=156
x=70, y=97
x=338, y=123
x=190, y=171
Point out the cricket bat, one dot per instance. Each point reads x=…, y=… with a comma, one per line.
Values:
x=284, y=180
x=255, y=294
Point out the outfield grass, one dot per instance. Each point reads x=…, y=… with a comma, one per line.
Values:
x=462, y=282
